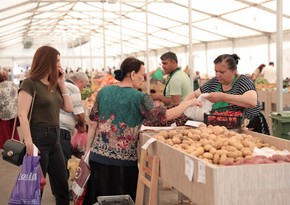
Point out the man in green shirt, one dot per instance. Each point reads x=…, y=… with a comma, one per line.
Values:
x=178, y=85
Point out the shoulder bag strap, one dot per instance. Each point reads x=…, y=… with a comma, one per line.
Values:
x=30, y=112
x=33, y=98
x=14, y=127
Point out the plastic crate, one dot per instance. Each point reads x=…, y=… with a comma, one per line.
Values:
x=115, y=200
x=281, y=124
x=230, y=117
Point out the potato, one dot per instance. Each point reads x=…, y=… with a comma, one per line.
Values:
x=217, y=130
x=207, y=155
x=204, y=135
x=236, y=144
x=184, y=146
x=171, y=133
x=164, y=134
x=189, y=134
x=190, y=149
x=223, y=159
x=212, y=137
x=229, y=161
x=177, y=146
x=196, y=131
x=213, y=150
x=200, y=150
x=217, y=144
x=204, y=142
x=248, y=143
x=207, y=160
x=160, y=138
x=246, y=151
x=202, y=125
x=176, y=140
x=216, y=158
x=278, y=157
x=232, y=154
x=207, y=147
x=222, y=152
x=169, y=141
x=238, y=159
x=195, y=137
x=185, y=132
x=195, y=153
x=230, y=148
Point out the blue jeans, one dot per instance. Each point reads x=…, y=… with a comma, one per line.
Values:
x=52, y=161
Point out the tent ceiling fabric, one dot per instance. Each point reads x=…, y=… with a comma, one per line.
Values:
x=122, y=23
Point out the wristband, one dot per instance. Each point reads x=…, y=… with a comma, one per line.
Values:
x=65, y=94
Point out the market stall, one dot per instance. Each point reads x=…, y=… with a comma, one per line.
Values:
x=208, y=184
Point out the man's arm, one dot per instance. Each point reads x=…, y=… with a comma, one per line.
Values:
x=80, y=123
x=174, y=99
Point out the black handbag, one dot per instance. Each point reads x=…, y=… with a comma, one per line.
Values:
x=15, y=150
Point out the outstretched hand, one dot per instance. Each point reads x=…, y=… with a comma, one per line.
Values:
x=215, y=97
x=193, y=102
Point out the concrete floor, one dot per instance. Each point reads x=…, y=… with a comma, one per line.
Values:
x=9, y=173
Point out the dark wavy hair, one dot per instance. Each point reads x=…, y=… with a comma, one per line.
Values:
x=231, y=59
x=261, y=67
x=127, y=66
x=43, y=63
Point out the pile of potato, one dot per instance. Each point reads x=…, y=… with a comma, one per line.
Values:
x=214, y=144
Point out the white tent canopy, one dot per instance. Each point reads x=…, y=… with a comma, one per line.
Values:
x=115, y=28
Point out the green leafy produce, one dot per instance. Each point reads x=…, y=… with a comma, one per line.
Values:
x=86, y=93
x=261, y=80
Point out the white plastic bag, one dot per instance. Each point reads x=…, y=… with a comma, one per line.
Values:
x=197, y=113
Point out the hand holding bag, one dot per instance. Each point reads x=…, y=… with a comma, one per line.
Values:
x=15, y=150
x=197, y=113
x=27, y=187
x=81, y=178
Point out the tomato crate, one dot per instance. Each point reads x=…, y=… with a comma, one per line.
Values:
x=230, y=118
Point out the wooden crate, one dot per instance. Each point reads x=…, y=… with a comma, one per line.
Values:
x=265, y=184
x=159, y=87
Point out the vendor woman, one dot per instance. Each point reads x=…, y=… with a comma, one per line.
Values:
x=228, y=88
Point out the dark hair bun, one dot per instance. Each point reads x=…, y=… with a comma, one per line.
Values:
x=236, y=58
x=119, y=75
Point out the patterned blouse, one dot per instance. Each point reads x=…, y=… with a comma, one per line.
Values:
x=8, y=100
x=120, y=112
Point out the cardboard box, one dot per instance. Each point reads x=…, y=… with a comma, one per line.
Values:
x=264, y=184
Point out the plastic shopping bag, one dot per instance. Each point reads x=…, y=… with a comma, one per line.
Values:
x=79, y=141
x=80, y=181
x=197, y=113
x=27, y=187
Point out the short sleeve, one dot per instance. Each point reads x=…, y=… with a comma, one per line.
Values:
x=209, y=86
x=27, y=86
x=244, y=84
